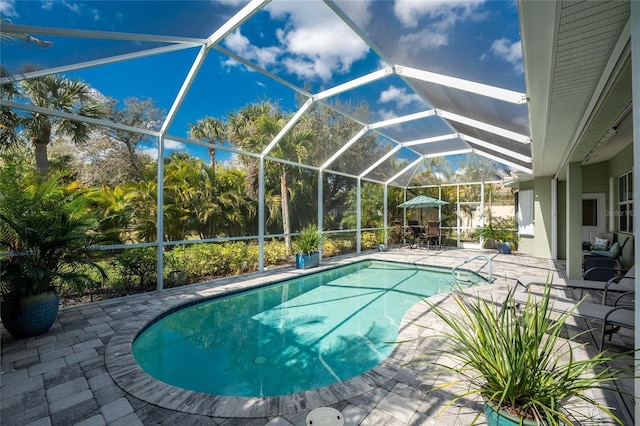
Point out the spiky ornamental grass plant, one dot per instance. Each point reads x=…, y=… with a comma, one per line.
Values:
x=513, y=355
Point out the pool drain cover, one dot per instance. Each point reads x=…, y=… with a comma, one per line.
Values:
x=259, y=360
x=325, y=416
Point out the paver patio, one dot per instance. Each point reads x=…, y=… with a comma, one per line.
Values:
x=73, y=374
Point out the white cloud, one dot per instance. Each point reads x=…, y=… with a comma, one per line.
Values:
x=387, y=114
x=151, y=152
x=172, y=145
x=442, y=17
x=445, y=12
x=71, y=6
x=504, y=49
x=399, y=96
x=242, y=46
x=422, y=40
x=306, y=42
x=7, y=8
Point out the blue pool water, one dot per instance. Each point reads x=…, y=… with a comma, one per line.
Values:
x=288, y=337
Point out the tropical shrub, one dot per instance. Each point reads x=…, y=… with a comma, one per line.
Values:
x=138, y=265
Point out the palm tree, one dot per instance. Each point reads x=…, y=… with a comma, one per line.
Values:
x=55, y=93
x=211, y=130
x=254, y=127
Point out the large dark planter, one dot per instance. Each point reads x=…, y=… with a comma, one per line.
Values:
x=504, y=248
x=305, y=261
x=35, y=315
x=501, y=418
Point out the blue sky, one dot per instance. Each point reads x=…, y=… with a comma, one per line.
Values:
x=302, y=42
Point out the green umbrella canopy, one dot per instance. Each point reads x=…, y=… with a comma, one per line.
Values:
x=422, y=201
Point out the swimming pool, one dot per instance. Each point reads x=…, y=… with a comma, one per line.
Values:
x=288, y=337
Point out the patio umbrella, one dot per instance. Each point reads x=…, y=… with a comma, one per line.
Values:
x=422, y=201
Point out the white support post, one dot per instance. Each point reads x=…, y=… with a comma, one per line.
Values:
x=554, y=218
x=384, y=215
x=160, y=217
x=320, y=207
x=261, y=215
x=482, y=209
x=635, y=64
x=458, y=215
x=358, y=216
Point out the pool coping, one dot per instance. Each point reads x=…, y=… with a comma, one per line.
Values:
x=130, y=377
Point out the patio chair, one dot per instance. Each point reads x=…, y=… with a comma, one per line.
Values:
x=433, y=234
x=619, y=284
x=612, y=317
x=416, y=232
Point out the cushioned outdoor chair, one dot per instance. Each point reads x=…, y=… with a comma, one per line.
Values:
x=433, y=235
x=416, y=232
x=612, y=317
x=619, y=284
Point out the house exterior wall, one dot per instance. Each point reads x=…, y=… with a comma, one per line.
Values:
x=595, y=178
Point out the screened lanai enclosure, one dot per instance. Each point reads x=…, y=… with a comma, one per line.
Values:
x=248, y=122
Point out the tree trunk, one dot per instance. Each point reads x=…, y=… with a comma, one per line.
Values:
x=284, y=199
x=212, y=157
x=41, y=143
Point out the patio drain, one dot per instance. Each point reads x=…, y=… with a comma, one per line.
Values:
x=324, y=416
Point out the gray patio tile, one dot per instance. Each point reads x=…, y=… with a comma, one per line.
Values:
x=96, y=420
x=62, y=375
x=279, y=421
x=129, y=420
x=108, y=394
x=67, y=389
x=60, y=352
x=353, y=415
x=45, y=367
x=26, y=362
x=41, y=341
x=24, y=408
x=399, y=406
x=100, y=381
x=27, y=385
x=70, y=401
x=380, y=418
x=116, y=410
x=88, y=344
x=10, y=357
x=11, y=377
x=75, y=413
x=43, y=421
x=78, y=357
x=179, y=418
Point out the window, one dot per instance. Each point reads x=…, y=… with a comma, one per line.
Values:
x=625, y=202
x=525, y=212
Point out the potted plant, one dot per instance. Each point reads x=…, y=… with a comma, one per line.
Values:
x=500, y=234
x=513, y=357
x=307, y=246
x=46, y=228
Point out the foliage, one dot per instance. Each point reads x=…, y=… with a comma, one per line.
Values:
x=138, y=264
x=48, y=226
x=514, y=356
x=53, y=92
x=275, y=253
x=369, y=240
x=309, y=241
x=329, y=248
x=499, y=230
